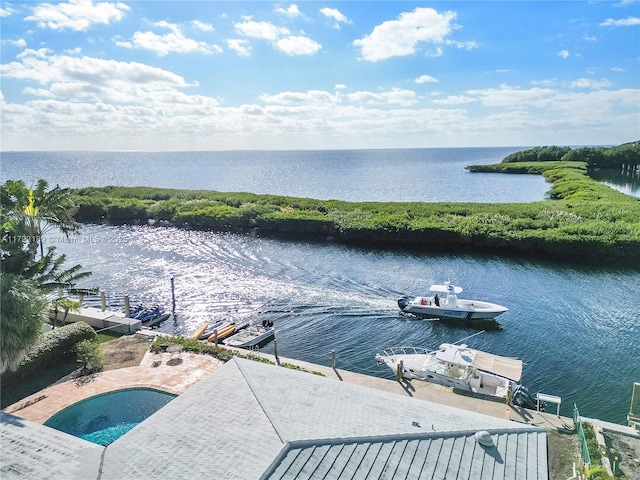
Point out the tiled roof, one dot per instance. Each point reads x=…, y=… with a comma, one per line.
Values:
x=249, y=420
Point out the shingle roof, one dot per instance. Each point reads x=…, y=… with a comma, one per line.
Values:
x=249, y=420
x=29, y=450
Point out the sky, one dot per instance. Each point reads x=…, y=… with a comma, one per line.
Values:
x=240, y=75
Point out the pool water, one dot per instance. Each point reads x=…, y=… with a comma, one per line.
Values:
x=102, y=419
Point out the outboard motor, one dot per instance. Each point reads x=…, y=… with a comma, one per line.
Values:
x=403, y=302
x=522, y=398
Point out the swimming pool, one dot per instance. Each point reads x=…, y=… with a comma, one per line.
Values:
x=104, y=418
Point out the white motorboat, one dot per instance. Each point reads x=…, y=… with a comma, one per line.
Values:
x=251, y=336
x=449, y=306
x=459, y=367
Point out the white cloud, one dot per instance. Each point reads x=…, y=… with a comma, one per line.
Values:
x=563, y=53
x=454, y=100
x=174, y=41
x=291, y=12
x=240, y=46
x=6, y=11
x=205, y=27
x=167, y=118
x=263, y=30
x=297, y=45
x=511, y=97
x=402, y=37
x=590, y=83
x=278, y=36
x=462, y=45
x=20, y=43
x=340, y=86
x=93, y=79
x=38, y=92
x=77, y=15
x=336, y=15
x=395, y=96
x=625, y=22
x=555, y=106
x=617, y=69
x=426, y=79
x=545, y=83
x=311, y=97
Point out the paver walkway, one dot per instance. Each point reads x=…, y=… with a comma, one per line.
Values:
x=163, y=371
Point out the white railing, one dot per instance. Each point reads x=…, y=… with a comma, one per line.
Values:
x=392, y=351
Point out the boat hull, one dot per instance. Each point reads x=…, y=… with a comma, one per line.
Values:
x=412, y=367
x=246, y=339
x=463, y=310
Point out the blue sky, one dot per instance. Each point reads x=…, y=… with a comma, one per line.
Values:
x=204, y=75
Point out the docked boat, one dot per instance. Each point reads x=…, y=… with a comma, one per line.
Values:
x=444, y=303
x=149, y=317
x=251, y=336
x=461, y=368
x=227, y=329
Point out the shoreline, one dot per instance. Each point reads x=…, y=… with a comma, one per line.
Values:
x=583, y=222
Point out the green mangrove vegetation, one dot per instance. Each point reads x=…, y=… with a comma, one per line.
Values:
x=582, y=219
x=625, y=155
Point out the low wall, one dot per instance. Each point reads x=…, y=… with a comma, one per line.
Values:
x=98, y=319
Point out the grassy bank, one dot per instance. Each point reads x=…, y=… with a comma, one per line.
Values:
x=583, y=219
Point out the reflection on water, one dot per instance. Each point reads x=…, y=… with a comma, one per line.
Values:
x=574, y=328
x=403, y=175
x=625, y=181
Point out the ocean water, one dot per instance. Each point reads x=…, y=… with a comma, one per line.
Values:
x=430, y=175
x=576, y=328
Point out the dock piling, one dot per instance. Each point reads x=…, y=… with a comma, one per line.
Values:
x=126, y=306
x=173, y=297
x=103, y=300
x=275, y=350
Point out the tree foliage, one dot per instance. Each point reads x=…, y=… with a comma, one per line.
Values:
x=22, y=314
x=26, y=215
x=35, y=212
x=595, y=157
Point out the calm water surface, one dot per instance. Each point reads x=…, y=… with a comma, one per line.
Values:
x=626, y=181
x=433, y=175
x=577, y=329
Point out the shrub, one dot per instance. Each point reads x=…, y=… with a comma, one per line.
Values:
x=592, y=444
x=216, y=216
x=90, y=355
x=51, y=349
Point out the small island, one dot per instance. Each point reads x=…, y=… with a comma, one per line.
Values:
x=582, y=219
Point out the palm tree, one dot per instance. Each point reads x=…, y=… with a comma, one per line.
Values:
x=25, y=215
x=49, y=274
x=67, y=305
x=22, y=314
x=34, y=212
